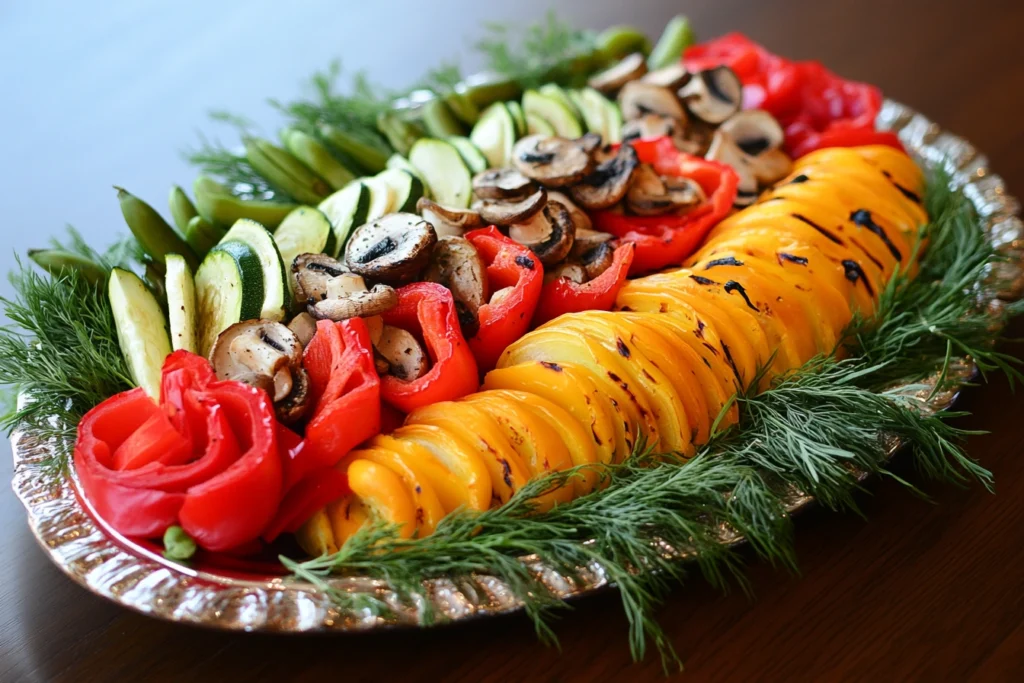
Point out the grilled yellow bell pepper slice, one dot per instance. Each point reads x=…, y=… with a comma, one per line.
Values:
x=428, y=508
x=451, y=492
x=315, y=536
x=377, y=492
x=457, y=457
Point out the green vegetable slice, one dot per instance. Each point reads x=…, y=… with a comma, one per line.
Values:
x=141, y=328
x=442, y=167
x=181, y=303
x=271, y=263
x=229, y=289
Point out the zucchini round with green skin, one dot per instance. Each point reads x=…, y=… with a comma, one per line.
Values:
x=346, y=209
x=181, y=303
x=271, y=263
x=399, y=162
x=381, y=197
x=494, y=135
x=305, y=231
x=141, y=328
x=473, y=157
x=554, y=111
x=406, y=188
x=443, y=169
x=557, y=92
x=229, y=289
x=518, y=118
x=535, y=125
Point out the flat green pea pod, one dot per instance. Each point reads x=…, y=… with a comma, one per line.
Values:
x=154, y=234
x=182, y=209
x=372, y=157
x=202, y=235
x=463, y=107
x=677, y=36
x=616, y=42
x=439, y=119
x=284, y=172
x=218, y=206
x=56, y=261
x=401, y=135
x=318, y=158
x=485, y=89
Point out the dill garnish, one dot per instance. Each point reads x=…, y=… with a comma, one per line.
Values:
x=542, y=52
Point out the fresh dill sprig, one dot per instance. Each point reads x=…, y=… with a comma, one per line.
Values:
x=540, y=53
x=441, y=79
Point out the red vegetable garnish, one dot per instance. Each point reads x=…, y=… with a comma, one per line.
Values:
x=427, y=310
x=666, y=240
x=565, y=296
x=509, y=265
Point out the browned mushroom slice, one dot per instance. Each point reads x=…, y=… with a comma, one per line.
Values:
x=447, y=220
x=349, y=297
x=754, y=131
x=614, y=77
x=304, y=327
x=649, y=126
x=405, y=358
x=393, y=248
x=551, y=160
x=606, y=185
x=713, y=95
x=771, y=166
x=652, y=195
x=589, y=142
x=312, y=273
x=638, y=98
x=568, y=270
x=502, y=183
x=267, y=355
x=597, y=259
x=579, y=217
x=695, y=139
x=549, y=234
x=588, y=239
x=456, y=264
x=723, y=149
x=507, y=212
x=672, y=77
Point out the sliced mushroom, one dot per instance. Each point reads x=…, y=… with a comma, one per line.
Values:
x=589, y=142
x=579, y=217
x=607, y=184
x=713, y=95
x=375, y=326
x=348, y=297
x=304, y=327
x=652, y=194
x=312, y=272
x=649, y=126
x=614, y=77
x=754, y=131
x=672, y=77
x=771, y=166
x=568, y=270
x=549, y=234
x=502, y=183
x=456, y=264
x=551, y=160
x=405, y=357
x=507, y=212
x=696, y=139
x=392, y=249
x=588, y=239
x=267, y=355
x=597, y=259
x=447, y=220
x=638, y=98
x=723, y=149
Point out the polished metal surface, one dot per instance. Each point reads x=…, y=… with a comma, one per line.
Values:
x=146, y=582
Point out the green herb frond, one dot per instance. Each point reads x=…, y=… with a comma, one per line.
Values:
x=536, y=54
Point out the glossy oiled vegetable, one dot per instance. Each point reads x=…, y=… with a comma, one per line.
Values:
x=775, y=284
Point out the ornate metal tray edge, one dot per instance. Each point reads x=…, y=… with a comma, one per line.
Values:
x=146, y=582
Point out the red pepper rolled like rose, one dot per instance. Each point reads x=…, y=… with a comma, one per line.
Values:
x=562, y=295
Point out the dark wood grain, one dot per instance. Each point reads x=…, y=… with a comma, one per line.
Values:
x=928, y=591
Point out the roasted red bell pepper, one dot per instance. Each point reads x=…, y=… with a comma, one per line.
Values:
x=515, y=277
x=345, y=390
x=223, y=481
x=565, y=296
x=300, y=503
x=666, y=240
x=427, y=310
x=815, y=107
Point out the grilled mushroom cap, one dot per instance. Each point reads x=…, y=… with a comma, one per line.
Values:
x=589, y=142
x=754, y=131
x=551, y=160
x=303, y=326
x=652, y=195
x=312, y=272
x=405, y=358
x=579, y=218
x=614, y=77
x=638, y=98
x=502, y=183
x=567, y=270
x=771, y=166
x=447, y=220
x=456, y=264
x=549, y=234
x=267, y=355
x=393, y=248
x=507, y=212
x=597, y=259
x=723, y=149
x=649, y=126
x=672, y=77
x=333, y=293
x=713, y=95
x=606, y=185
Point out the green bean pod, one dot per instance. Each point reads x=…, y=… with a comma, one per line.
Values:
x=155, y=275
x=616, y=42
x=400, y=134
x=677, y=36
x=439, y=119
x=182, y=208
x=218, y=206
x=202, y=235
x=483, y=90
x=284, y=172
x=310, y=152
x=372, y=158
x=155, y=235
x=56, y=261
x=463, y=107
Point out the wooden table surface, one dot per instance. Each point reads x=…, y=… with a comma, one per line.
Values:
x=929, y=591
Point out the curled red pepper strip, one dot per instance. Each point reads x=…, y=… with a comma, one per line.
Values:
x=565, y=296
x=516, y=269
x=300, y=503
x=427, y=310
x=667, y=240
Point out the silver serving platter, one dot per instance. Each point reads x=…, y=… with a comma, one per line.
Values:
x=142, y=580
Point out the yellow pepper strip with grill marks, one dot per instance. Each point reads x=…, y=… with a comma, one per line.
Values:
x=775, y=283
